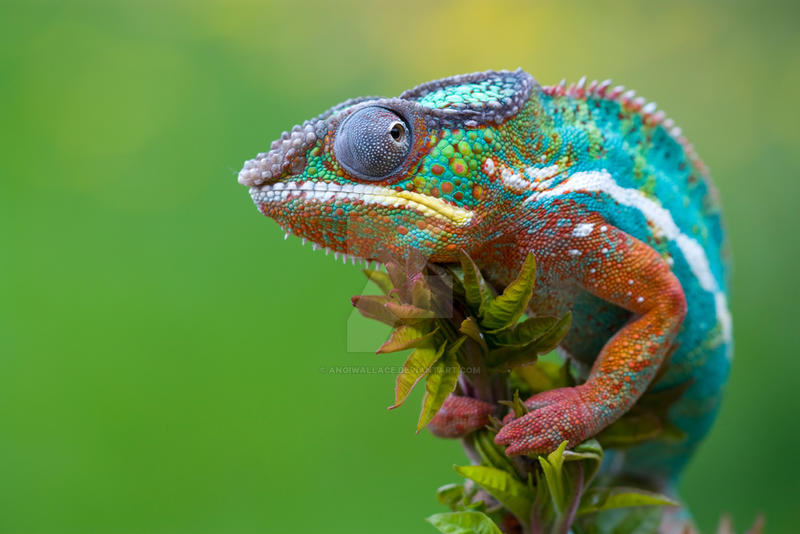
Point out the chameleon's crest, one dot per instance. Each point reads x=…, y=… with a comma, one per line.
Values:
x=477, y=98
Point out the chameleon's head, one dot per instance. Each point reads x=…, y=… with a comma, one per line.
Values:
x=421, y=171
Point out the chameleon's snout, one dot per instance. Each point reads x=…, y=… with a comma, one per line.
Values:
x=286, y=155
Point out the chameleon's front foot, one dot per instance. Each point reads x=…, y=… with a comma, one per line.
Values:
x=555, y=416
x=459, y=416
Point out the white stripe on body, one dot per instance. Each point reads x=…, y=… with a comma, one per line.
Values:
x=602, y=181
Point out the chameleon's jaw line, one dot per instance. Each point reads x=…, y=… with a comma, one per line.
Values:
x=368, y=194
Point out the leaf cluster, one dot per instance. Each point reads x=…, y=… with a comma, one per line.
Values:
x=450, y=318
x=494, y=320
x=556, y=498
x=417, y=302
x=467, y=338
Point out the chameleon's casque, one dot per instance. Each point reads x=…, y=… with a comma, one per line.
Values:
x=617, y=207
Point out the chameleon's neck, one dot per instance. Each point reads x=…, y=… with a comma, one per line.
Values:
x=501, y=256
x=545, y=141
x=532, y=143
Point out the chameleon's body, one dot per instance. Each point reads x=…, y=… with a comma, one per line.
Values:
x=616, y=206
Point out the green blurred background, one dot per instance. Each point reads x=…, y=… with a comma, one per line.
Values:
x=162, y=345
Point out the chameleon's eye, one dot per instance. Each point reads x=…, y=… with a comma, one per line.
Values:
x=372, y=143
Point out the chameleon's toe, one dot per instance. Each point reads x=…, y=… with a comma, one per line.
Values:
x=540, y=400
x=541, y=431
x=459, y=416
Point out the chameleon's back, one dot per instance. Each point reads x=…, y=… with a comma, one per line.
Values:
x=647, y=180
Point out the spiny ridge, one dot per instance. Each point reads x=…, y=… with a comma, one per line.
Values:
x=649, y=112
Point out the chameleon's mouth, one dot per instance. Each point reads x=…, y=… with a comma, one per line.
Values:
x=322, y=192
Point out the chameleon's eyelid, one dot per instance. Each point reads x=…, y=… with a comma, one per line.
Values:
x=342, y=106
x=507, y=92
x=409, y=110
x=473, y=99
x=362, y=147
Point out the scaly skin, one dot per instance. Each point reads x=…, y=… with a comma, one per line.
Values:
x=614, y=203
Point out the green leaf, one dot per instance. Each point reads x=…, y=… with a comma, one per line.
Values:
x=631, y=430
x=456, y=345
x=464, y=523
x=418, y=364
x=644, y=520
x=573, y=490
x=506, y=358
x=491, y=454
x=407, y=337
x=647, y=420
x=662, y=399
x=595, y=500
x=519, y=407
x=475, y=290
x=374, y=307
x=670, y=432
x=512, y=355
x=516, y=405
x=421, y=295
x=453, y=275
x=565, y=378
x=504, y=487
x=589, y=449
x=553, y=337
x=408, y=311
x=525, y=332
x=590, y=453
x=506, y=309
x=552, y=465
x=380, y=279
x=470, y=329
x=450, y=495
x=441, y=382
x=540, y=376
x=542, y=511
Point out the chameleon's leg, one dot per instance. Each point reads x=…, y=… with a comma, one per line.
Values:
x=459, y=416
x=624, y=271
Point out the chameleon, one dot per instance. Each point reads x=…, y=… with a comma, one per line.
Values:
x=614, y=202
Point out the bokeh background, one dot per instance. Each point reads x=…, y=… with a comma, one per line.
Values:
x=164, y=352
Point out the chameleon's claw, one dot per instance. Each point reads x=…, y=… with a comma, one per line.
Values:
x=459, y=416
x=562, y=416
